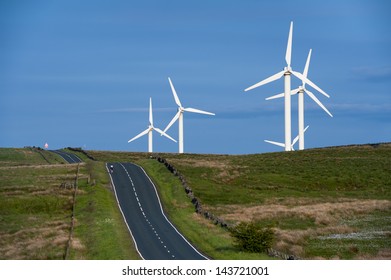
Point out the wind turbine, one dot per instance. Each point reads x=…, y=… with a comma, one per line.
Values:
x=287, y=88
x=300, y=92
x=179, y=116
x=283, y=145
x=150, y=129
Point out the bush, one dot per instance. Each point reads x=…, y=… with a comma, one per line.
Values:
x=251, y=237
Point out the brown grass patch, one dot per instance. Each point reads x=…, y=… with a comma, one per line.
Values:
x=76, y=244
x=383, y=254
x=201, y=220
x=323, y=213
x=28, y=243
x=221, y=164
x=225, y=171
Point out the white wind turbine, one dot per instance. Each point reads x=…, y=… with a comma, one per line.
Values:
x=293, y=142
x=287, y=88
x=300, y=92
x=179, y=116
x=150, y=129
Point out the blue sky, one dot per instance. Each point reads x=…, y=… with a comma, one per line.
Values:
x=80, y=73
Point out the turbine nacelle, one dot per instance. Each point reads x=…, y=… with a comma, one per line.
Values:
x=287, y=70
x=299, y=89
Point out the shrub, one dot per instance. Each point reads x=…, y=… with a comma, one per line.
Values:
x=252, y=237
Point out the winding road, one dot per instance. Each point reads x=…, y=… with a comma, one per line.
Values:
x=68, y=157
x=154, y=235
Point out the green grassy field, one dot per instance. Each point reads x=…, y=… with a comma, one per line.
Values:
x=322, y=203
x=36, y=202
x=99, y=227
x=34, y=211
x=329, y=203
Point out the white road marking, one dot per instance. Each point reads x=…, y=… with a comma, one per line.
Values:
x=141, y=209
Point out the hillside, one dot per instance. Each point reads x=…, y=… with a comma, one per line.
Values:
x=34, y=216
x=332, y=203
x=39, y=195
x=322, y=203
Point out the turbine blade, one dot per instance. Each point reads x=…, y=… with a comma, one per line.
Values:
x=150, y=112
x=307, y=65
x=164, y=134
x=310, y=94
x=267, y=80
x=293, y=92
x=308, y=81
x=316, y=87
x=295, y=140
x=198, y=111
x=276, y=143
x=275, y=96
x=173, y=120
x=289, y=46
x=177, y=101
x=297, y=137
x=139, y=135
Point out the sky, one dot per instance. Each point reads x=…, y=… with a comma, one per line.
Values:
x=80, y=73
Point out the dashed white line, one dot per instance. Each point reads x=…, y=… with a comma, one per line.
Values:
x=142, y=211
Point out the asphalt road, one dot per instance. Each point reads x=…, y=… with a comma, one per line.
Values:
x=69, y=157
x=154, y=235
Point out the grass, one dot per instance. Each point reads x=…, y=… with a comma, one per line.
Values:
x=213, y=241
x=322, y=203
x=305, y=195
x=27, y=156
x=35, y=211
x=371, y=238
x=99, y=226
x=350, y=171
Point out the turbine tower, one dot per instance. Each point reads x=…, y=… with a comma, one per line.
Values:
x=179, y=116
x=300, y=92
x=287, y=88
x=150, y=129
